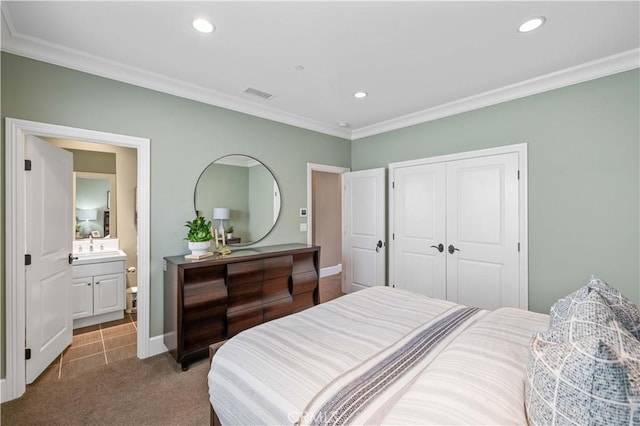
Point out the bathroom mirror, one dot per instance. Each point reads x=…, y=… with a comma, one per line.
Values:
x=244, y=194
x=95, y=212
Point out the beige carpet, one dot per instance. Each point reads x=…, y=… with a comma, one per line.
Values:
x=153, y=391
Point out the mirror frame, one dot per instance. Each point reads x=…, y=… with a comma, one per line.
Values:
x=274, y=179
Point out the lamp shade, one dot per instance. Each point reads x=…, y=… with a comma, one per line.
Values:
x=221, y=213
x=87, y=214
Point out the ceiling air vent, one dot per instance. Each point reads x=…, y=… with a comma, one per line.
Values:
x=259, y=93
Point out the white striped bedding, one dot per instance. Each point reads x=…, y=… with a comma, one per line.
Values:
x=272, y=373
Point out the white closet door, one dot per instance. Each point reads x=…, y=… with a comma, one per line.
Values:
x=419, y=228
x=482, y=229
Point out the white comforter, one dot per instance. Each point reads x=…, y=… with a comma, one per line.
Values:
x=272, y=373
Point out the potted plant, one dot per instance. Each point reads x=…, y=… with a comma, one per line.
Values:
x=229, y=231
x=199, y=235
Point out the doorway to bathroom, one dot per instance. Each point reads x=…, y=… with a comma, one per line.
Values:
x=17, y=133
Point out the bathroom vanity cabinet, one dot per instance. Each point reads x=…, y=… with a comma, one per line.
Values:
x=213, y=299
x=98, y=291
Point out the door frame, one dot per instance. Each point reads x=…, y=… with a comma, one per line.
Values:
x=521, y=150
x=16, y=131
x=311, y=167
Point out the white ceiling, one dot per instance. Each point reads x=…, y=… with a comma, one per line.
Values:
x=417, y=60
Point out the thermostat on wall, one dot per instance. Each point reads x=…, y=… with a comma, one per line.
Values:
x=303, y=212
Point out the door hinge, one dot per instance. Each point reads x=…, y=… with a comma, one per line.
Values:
x=27, y=259
x=393, y=236
x=518, y=247
x=518, y=174
x=393, y=185
x=27, y=165
x=27, y=353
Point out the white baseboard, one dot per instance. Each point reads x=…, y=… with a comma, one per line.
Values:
x=3, y=391
x=331, y=270
x=156, y=345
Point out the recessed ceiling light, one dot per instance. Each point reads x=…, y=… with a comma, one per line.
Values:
x=532, y=24
x=360, y=95
x=203, y=26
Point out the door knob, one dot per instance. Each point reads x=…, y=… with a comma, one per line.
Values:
x=452, y=249
x=72, y=258
x=440, y=247
x=378, y=246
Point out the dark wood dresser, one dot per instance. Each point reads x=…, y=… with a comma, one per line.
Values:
x=213, y=299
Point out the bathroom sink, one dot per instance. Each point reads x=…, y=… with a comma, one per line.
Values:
x=99, y=256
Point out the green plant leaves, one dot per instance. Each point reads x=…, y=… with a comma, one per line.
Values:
x=199, y=230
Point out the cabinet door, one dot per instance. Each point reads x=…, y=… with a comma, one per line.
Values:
x=82, y=297
x=108, y=293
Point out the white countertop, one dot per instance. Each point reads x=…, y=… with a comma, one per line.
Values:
x=99, y=257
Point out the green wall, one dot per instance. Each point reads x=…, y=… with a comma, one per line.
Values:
x=583, y=147
x=583, y=161
x=185, y=137
x=92, y=161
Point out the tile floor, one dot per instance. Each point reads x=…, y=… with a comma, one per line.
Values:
x=95, y=346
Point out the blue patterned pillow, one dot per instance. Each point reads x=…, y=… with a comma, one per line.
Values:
x=584, y=370
x=625, y=311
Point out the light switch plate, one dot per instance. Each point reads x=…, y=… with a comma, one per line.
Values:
x=303, y=227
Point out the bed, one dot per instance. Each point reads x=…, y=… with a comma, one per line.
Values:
x=387, y=356
x=378, y=356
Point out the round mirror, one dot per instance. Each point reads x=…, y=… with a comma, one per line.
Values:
x=241, y=195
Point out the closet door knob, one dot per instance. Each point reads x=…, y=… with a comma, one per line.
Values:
x=440, y=247
x=452, y=249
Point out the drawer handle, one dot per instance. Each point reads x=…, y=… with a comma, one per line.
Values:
x=97, y=282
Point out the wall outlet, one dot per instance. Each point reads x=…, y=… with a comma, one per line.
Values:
x=303, y=227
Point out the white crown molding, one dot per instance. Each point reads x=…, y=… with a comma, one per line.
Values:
x=624, y=61
x=13, y=42
x=41, y=50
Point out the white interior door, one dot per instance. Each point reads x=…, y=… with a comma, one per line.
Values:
x=419, y=224
x=482, y=228
x=49, y=231
x=363, y=249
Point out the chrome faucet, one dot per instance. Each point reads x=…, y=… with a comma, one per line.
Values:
x=90, y=242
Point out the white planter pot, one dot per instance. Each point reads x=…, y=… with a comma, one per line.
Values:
x=199, y=248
